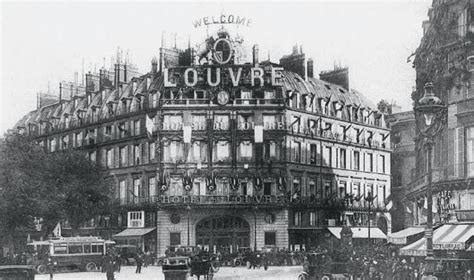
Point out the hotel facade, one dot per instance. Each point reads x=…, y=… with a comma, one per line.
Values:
x=208, y=149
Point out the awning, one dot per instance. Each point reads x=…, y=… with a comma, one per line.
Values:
x=133, y=232
x=359, y=232
x=447, y=237
x=400, y=237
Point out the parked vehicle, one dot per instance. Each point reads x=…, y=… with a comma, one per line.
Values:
x=318, y=266
x=83, y=253
x=17, y=272
x=128, y=253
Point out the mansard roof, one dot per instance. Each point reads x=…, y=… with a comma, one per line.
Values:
x=291, y=81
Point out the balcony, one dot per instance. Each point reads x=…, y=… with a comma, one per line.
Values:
x=137, y=201
x=444, y=175
x=338, y=204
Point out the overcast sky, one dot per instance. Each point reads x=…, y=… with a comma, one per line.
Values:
x=45, y=42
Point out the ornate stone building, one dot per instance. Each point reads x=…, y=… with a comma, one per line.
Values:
x=209, y=150
x=445, y=56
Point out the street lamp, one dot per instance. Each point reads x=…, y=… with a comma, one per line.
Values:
x=188, y=208
x=429, y=117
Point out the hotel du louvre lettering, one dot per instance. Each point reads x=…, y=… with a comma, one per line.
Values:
x=227, y=199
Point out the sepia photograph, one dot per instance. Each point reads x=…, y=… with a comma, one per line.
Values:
x=189, y=140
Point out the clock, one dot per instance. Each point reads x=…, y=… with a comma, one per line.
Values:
x=222, y=97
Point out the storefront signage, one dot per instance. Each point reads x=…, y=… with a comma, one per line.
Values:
x=223, y=199
x=215, y=76
x=448, y=246
x=222, y=19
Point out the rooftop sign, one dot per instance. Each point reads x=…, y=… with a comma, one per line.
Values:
x=222, y=19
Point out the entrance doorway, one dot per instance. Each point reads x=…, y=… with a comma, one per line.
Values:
x=223, y=233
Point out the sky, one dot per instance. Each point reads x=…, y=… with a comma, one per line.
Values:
x=43, y=43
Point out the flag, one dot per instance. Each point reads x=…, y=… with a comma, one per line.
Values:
x=258, y=129
x=187, y=127
x=57, y=230
x=149, y=126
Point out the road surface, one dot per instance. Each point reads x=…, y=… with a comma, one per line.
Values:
x=155, y=273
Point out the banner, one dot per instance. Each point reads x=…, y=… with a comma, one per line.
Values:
x=149, y=126
x=57, y=230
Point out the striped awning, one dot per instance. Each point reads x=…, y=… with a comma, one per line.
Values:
x=447, y=237
x=359, y=232
x=400, y=237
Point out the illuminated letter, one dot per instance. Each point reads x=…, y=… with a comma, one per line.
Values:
x=235, y=80
x=206, y=20
x=167, y=82
x=258, y=75
x=276, y=75
x=231, y=19
x=240, y=20
x=222, y=19
x=186, y=77
x=197, y=23
x=218, y=77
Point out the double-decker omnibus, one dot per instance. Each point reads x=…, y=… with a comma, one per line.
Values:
x=83, y=253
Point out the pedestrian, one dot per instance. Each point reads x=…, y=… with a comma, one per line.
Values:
x=109, y=270
x=139, y=262
x=118, y=262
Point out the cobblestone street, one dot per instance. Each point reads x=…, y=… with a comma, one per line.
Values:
x=155, y=273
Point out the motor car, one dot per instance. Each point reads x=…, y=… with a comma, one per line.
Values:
x=17, y=272
x=128, y=253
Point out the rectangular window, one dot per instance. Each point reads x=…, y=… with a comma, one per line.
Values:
x=297, y=218
x=108, y=130
x=381, y=163
x=270, y=150
x=356, y=160
x=312, y=219
x=369, y=162
x=342, y=158
x=222, y=150
x=122, y=130
x=122, y=191
x=270, y=238
x=297, y=151
x=470, y=150
x=123, y=156
x=136, y=188
x=92, y=156
x=175, y=238
x=313, y=153
x=246, y=148
x=152, y=187
x=151, y=151
x=269, y=122
x=327, y=156
x=221, y=122
x=267, y=188
x=109, y=158
x=136, y=127
x=78, y=139
x=137, y=154
x=243, y=186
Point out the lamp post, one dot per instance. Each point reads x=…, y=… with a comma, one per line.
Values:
x=429, y=117
x=369, y=198
x=188, y=208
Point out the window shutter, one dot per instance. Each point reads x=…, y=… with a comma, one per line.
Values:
x=458, y=152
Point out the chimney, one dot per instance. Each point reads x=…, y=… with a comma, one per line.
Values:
x=337, y=76
x=255, y=54
x=76, y=77
x=295, y=62
x=310, y=68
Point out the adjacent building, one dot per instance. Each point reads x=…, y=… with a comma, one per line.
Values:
x=210, y=150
